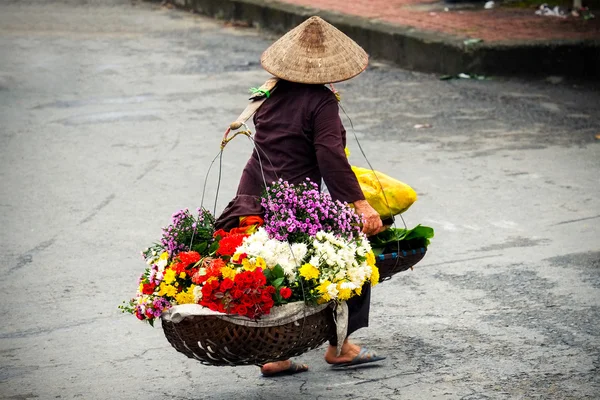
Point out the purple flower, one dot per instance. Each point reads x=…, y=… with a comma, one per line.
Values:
x=300, y=210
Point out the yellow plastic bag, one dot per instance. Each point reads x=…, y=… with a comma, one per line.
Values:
x=399, y=195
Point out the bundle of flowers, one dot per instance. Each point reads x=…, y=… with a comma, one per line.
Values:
x=307, y=248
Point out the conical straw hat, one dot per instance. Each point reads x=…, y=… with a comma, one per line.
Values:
x=315, y=52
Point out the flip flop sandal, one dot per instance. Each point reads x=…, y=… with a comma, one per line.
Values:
x=364, y=357
x=294, y=368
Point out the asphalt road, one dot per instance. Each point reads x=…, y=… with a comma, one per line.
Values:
x=110, y=112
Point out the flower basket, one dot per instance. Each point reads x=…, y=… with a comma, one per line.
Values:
x=259, y=292
x=219, y=341
x=391, y=263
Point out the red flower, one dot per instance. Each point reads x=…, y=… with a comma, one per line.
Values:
x=226, y=284
x=228, y=244
x=247, y=294
x=206, y=291
x=189, y=257
x=214, y=268
x=285, y=292
x=178, y=267
x=247, y=301
x=199, y=279
x=242, y=310
x=148, y=288
x=261, y=279
x=220, y=233
x=185, y=259
x=266, y=297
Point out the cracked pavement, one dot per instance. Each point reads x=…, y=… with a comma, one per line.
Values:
x=111, y=112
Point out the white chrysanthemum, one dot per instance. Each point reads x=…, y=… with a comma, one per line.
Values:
x=361, y=251
x=348, y=285
x=358, y=275
x=161, y=264
x=315, y=260
x=197, y=294
x=332, y=290
x=299, y=250
x=274, y=252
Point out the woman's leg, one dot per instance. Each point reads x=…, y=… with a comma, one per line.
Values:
x=358, y=317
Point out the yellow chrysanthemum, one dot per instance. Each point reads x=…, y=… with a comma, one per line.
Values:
x=248, y=265
x=323, y=299
x=322, y=288
x=309, y=271
x=169, y=277
x=343, y=293
x=374, y=276
x=358, y=290
x=141, y=288
x=228, y=272
x=186, y=297
x=164, y=256
x=260, y=263
x=370, y=259
x=182, y=275
x=167, y=290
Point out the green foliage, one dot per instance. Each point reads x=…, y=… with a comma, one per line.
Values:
x=394, y=238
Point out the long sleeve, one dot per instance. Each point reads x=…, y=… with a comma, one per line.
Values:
x=329, y=142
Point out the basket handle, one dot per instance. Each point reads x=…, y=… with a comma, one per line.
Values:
x=258, y=97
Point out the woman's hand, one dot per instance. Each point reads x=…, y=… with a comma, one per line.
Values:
x=371, y=220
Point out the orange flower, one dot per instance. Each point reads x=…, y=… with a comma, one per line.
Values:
x=251, y=220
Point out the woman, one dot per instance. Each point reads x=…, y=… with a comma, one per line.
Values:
x=299, y=135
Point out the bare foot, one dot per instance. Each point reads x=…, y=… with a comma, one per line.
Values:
x=349, y=351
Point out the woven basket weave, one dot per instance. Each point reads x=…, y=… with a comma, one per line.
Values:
x=214, y=341
x=390, y=264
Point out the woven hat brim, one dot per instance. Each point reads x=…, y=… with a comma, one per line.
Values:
x=315, y=52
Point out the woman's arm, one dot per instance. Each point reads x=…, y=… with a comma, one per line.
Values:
x=329, y=142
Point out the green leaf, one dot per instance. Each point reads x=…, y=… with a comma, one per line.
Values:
x=420, y=231
x=200, y=247
x=377, y=250
x=394, y=235
x=278, y=271
x=151, y=322
x=278, y=282
x=268, y=274
x=213, y=247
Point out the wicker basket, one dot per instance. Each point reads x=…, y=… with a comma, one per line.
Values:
x=392, y=263
x=214, y=341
